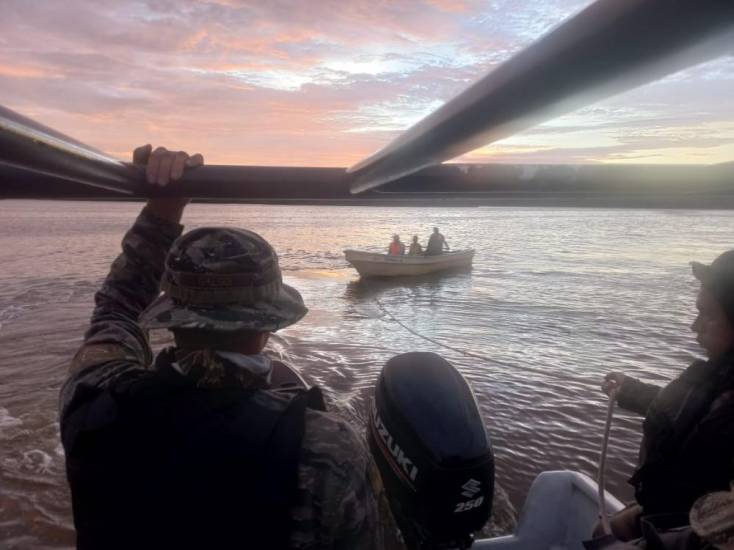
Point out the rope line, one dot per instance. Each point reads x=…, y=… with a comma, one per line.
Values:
x=601, y=475
x=436, y=342
x=527, y=368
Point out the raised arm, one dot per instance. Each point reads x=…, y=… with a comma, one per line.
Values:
x=115, y=347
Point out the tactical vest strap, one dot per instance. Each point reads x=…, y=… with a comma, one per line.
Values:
x=177, y=466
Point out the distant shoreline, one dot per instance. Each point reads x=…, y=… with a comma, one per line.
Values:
x=592, y=200
x=582, y=186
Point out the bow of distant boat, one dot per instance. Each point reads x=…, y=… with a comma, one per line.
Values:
x=370, y=264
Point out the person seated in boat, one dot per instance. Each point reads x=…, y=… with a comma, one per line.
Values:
x=396, y=248
x=436, y=243
x=415, y=247
x=688, y=433
x=196, y=448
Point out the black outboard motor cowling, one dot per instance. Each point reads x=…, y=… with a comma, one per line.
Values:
x=431, y=447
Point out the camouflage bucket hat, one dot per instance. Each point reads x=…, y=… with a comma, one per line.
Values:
x=223, y=279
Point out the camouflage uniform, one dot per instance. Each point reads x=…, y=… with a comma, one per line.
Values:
x=335, y=506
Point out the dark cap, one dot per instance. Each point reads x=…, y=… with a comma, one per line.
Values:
x=718, y=279
x=223, y=279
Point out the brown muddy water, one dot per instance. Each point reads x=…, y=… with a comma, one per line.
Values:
x=556, y=299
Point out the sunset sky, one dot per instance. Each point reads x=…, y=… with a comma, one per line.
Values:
x=323, y=82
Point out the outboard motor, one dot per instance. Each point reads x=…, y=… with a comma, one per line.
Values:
x=431, y=447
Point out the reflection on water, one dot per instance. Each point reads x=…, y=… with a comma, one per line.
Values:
x=361, y=290
x=556, y=299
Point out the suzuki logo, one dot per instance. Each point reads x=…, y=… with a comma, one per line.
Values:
x=400, y=457
x=471, y=488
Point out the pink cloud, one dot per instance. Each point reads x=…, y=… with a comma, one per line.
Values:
x=23, y=72
x=310, y=83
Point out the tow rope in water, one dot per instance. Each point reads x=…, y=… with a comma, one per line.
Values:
x=601, y=475
x=527, y=368
x=436, y=342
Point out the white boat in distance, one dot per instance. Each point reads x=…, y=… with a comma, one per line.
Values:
x=370, y=264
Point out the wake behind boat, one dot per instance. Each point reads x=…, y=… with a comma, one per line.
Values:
x=370, y=264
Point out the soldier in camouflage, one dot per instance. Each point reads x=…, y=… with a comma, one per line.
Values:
x=196, y=448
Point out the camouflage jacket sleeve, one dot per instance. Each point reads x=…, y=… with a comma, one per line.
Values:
x=115, y=347
x=337, y=508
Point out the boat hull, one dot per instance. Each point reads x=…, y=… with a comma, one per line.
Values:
x=369, y=264
x=560, y=512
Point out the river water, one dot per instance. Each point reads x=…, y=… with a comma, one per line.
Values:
x=556, y=299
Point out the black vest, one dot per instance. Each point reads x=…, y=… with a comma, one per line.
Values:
x=158, y=463
x=685, y=451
